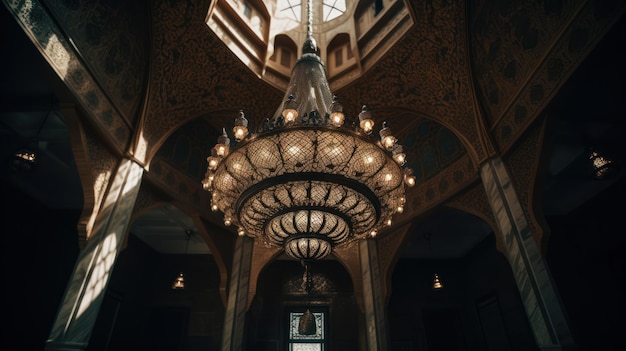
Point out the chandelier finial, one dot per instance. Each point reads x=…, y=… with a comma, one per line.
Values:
x=310, y=45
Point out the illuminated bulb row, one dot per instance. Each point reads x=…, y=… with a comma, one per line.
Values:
x=400, y=207
x=290, y=115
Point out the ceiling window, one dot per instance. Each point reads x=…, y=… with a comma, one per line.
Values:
x=290, y=8
x=333, y=9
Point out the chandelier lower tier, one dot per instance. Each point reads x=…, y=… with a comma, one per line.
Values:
x=307, y=181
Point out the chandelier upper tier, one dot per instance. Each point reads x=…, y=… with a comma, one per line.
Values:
x=308, y=179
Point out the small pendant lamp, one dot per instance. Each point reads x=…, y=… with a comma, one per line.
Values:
x=179, y=282
x=307, y=324
x=437, y=283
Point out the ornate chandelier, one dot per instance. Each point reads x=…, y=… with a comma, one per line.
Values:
x=308, y=179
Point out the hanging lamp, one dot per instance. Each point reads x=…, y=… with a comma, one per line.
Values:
x=437, y=283
x=307, y=324
x=179, y=282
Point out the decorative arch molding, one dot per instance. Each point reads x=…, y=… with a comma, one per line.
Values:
x=349, y=259
x=261, y=256
x=473, y=200
x=56, y=47
x=91, y=193
x=95, y=162
x=389, y=247
x=149, y=200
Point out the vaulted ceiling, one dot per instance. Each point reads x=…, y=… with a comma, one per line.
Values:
x=470, y=80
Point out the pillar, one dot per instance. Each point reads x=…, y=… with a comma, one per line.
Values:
x=373, y=296
x=86, y=289
x=235, y=316
x=543, y=308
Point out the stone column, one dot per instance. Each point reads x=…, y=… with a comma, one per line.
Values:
x=235, y=316
x=373, y=296
x=543, y=308
x=85, y=291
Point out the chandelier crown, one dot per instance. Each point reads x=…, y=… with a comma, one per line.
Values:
x=306, y=180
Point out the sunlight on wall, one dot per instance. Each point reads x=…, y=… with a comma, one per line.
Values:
x=100, y=274
x=54, y=48
x=99, y=187
x=59, y=55
x=141, y=148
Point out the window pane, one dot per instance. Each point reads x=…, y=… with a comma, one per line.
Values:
x=294, y=321
x=290, y=8
x=333, y=9
x=305, y=347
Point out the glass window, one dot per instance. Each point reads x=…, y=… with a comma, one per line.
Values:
x=290, y=8
x=299, y=342
x=378, y=6
x=333, y=9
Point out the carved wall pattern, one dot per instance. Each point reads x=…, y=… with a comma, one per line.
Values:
x=509, y=40
x=577, y=41
x=261, y=257
x=51, y=40
x=111, y=37
x=349, y=258
x=438, y=84
x=522, y=164
x=187, y=148
x=148, y=196
x=179, y=185
x=103, y=164
x=388, y=245
x=194, y=73
x=400, y=23
x=438, y=189
x=388, y=248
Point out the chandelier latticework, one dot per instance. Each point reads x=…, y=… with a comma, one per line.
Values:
x=308, y=179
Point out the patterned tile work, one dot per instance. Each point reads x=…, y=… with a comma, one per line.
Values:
x=111, y=37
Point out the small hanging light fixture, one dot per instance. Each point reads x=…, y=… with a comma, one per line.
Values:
x=179, y=282
x=307, y=324
x=26, y=158
x=437, y=283
x=603, y=166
